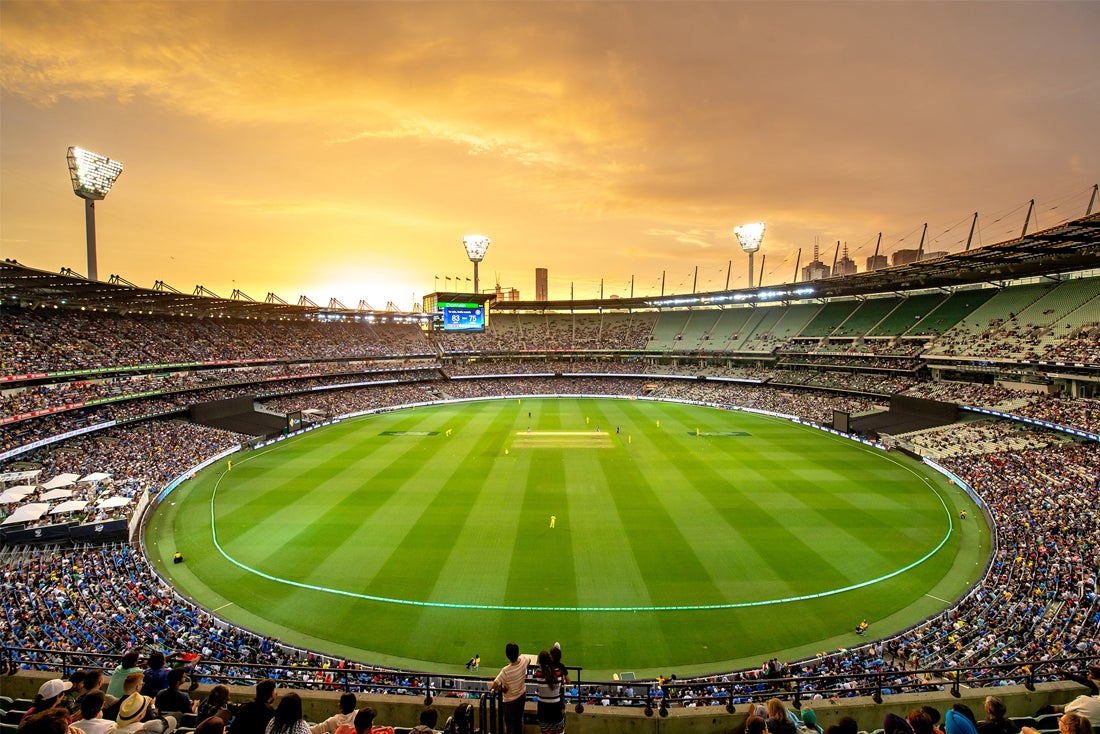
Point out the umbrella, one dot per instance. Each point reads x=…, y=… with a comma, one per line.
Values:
x=70, y=506
x=15, y=494
x=61, y=480
x=26, y=513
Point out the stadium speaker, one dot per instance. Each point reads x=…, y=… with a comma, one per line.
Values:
x=178, y=558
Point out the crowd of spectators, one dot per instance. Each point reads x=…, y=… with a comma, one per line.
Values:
x=1084, y=347
x=21, y=403
x=1015, y=338
x=21, y=433
x=1039, y=599
x=41, y=339
x=971, y=393
x=138, y=458
x=552, y=332
x=524, y=366
x=44, y=340
x=1079, y=413
x=1082, y=413
x=333, y=403
x=810, y=405
x=979, y=436
x=861, y=361
x=866, y=382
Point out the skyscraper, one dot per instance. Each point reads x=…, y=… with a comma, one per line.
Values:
x=542, y=292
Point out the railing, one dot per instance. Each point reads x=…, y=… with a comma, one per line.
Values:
x=651, y=695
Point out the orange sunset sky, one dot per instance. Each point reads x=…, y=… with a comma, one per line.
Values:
x=343, y=149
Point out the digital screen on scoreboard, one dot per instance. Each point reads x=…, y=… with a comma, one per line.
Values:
x=463, y=316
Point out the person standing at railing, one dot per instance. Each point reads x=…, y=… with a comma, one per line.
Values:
x=551, y=692
x=511, y=681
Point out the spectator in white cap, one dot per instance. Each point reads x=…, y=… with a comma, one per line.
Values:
x=49, y=695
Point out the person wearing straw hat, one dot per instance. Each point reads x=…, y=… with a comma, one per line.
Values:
x=132, y=712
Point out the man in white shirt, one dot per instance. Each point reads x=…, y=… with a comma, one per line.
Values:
x=91, y=719
x=1086, y=705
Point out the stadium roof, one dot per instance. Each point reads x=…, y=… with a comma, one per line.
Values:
x=29, y=287
x=1068, y=247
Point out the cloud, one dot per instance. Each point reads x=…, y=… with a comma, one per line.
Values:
x=701, y=238
x=581, y=132
x=525, y=154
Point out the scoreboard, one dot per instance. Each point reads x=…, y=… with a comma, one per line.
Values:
x=463, y=316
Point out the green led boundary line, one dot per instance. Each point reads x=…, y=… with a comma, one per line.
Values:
x=514, y=608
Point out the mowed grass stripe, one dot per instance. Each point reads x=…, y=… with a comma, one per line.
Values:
x=457, y=581
x=246, y=493
x=432, y=505
x=706, y=506
x=674, y=575
x=542, y=567
x=306, y=465
x=760, y=524
x=601, y=546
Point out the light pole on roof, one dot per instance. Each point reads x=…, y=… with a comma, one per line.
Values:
x=93, y=176
x=750, y=236
x=476, y=245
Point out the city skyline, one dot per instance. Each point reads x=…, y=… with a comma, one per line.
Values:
x=342, y=150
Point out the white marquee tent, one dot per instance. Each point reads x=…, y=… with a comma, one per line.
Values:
x=61, y=480
x=26, y=513
x=71, y=506
x=15, y=494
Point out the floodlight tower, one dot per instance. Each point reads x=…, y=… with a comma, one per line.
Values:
x=476, y=245
x=93, y=176
x=750, y=236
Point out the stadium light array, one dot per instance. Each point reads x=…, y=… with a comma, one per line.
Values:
x=93, y=175
x=749, y=236
x=476, y=245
